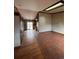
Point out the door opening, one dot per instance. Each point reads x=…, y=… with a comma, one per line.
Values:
x=29, y=25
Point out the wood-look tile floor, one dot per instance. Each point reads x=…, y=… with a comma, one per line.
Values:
x=45, y=45
x=52, y=44
x=29, y=48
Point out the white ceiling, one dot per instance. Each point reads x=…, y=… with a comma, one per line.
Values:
x=29, y=8
x=34, y=5
x=27, y=14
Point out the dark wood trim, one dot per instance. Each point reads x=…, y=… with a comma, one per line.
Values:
x=44, y=12
x=38, y=20
x=16, y=13
x=29, y=20
x=36, y=16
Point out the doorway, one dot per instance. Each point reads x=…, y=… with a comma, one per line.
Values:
x=29, y=25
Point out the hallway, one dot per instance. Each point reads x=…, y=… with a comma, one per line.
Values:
x=29, y=48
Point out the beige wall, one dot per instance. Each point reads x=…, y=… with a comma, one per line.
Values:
x=16, y=31
x=58, y=22
x=44, y=22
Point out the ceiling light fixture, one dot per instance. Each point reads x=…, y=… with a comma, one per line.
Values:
x=58, y=4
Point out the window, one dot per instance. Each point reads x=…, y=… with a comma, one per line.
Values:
x=29, y=25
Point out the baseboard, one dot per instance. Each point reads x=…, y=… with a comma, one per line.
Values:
x=58, y=32
x=51, y=31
